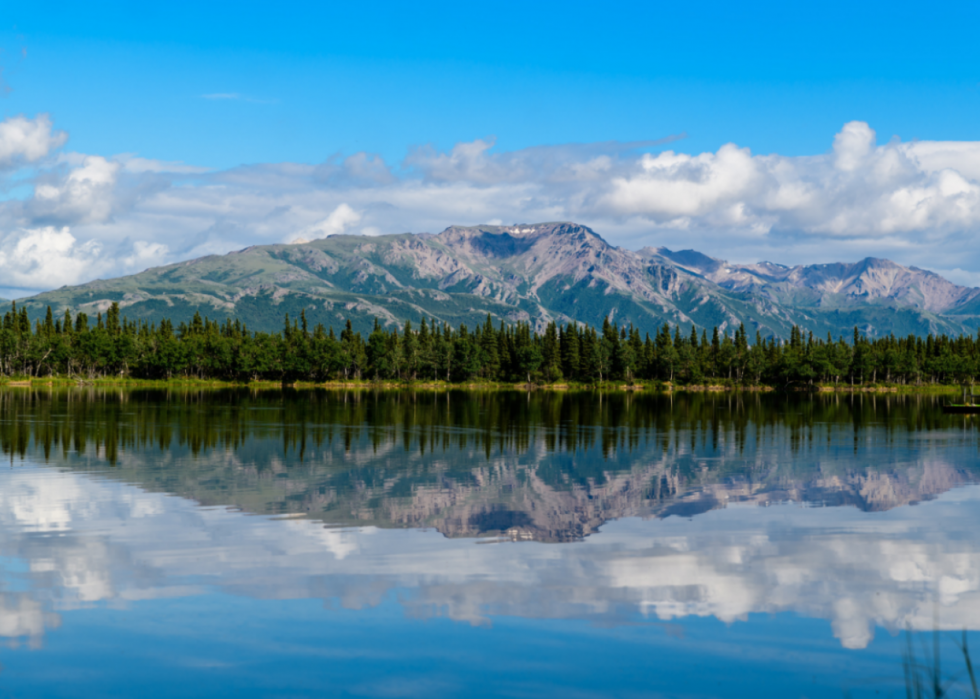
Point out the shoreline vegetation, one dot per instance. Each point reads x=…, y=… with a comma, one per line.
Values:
x=203, y=353
x=374, y=385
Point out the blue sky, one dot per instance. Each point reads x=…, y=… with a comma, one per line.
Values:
x=235, y=87
x=320, y=78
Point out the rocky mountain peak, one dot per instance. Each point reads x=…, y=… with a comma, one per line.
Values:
x=504, y=236
x=530, y=272
x=869, y=279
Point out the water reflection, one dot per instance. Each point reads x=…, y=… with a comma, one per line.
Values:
x=781, y=504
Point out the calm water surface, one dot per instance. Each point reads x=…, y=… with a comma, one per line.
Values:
x=400, y=544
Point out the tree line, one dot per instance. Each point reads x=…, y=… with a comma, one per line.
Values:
x=113, y=346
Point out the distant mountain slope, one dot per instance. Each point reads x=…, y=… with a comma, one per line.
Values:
x=538, y=273
x=855, y=284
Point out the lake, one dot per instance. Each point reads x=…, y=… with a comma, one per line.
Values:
x=236, y=543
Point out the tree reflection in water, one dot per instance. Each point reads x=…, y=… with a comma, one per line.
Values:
x=674, y=482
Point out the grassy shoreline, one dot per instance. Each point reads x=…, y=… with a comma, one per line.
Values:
x=647, y=386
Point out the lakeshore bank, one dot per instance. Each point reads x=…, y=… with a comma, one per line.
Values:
x=366, y=385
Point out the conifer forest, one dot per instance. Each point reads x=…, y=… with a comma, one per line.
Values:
x=110, y=346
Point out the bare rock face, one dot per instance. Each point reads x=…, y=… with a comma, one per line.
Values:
x=543, y=272
x=531, y=256
x=853, y=284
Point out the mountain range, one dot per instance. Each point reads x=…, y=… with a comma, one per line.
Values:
x=531, y=272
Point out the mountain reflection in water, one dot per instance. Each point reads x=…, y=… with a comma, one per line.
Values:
x=374, y=492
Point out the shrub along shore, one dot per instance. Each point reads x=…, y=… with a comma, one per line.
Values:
x=180, y=384
x=204, y=352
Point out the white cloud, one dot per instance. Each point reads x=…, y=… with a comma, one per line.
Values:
x=84, y=196
x=358, y=170
x=672, y=185
x=339, y=220
x=917, y=202
x=858, y=190
x=912, y=567
x=368, y=168
x=145, y=254
x=853, y=145
x=47, y=257
x=24, y=140
x=466, y=161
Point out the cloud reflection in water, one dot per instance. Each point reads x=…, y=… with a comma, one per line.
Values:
x=70, y=539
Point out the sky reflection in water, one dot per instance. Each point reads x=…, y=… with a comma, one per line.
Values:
x=413, y=545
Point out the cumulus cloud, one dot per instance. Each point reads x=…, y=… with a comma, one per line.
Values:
x=144, y=254
x=339, y=220
x=24, y=140
x=47, y=257
x=853, y=145
x=359, y=169
x=917, y=202
x=859, y=189
x=672, y=185
x=83, y=196
x=466, y=161
x=473, y=162
x=911, y=568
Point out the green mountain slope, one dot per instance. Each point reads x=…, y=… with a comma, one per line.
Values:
x=538, y=273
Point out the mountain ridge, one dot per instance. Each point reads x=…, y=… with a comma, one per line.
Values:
x=537, y=273
x=877, y=277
